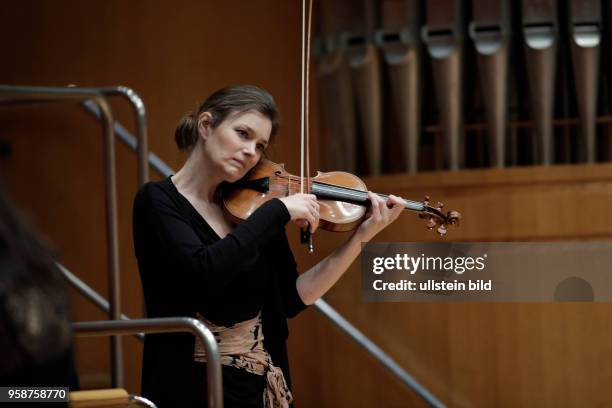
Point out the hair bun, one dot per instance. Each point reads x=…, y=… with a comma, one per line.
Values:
x=186, y=134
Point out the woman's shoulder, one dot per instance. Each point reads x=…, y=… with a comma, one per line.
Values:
x=155, y=193
x=154, y=189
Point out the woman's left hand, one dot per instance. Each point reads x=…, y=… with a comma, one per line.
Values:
x=382, y=214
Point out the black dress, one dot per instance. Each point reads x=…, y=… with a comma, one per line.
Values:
x=185, y=267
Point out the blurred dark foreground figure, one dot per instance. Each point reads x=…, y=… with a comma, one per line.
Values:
x=35, y=325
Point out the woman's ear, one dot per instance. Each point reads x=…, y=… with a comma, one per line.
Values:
x=204, y=124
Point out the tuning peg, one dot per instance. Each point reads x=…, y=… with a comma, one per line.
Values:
x=453, y=217
x=426, y=201
x=431, y=223
x=439, y=206
x=442, y=230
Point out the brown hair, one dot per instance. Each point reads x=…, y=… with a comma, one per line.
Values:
x=225, y=101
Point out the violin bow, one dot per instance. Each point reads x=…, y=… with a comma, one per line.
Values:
x=305, y=235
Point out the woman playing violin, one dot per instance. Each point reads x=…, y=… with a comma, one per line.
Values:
x=240, y=280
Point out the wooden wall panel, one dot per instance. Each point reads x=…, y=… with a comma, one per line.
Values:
x=471, y=354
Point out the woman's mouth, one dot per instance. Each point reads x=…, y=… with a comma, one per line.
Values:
x=240, y=163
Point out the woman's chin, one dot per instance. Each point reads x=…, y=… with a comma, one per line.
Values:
x=233, y=176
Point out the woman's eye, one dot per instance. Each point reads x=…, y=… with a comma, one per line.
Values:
x=242, y=133
x=261, y=147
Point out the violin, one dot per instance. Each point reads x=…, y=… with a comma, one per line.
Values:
x=342, y=197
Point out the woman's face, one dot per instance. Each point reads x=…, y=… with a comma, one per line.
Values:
x=236, y=144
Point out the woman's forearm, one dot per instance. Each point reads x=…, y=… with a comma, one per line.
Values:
x=313, y=283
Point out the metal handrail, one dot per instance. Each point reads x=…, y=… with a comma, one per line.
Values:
x=130, y=141
x=91, y=294
x=143, y=402
x=141, y=126
x=377, y=353
x=321, y=305
x=166, y=325
x=27, y=94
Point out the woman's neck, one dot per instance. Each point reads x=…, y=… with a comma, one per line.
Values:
x=196, y=179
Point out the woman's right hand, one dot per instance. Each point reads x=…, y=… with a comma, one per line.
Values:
x=304, y=210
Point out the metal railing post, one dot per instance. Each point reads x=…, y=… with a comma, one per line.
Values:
x=140, y=116
x=166, y=325
x=130, y=141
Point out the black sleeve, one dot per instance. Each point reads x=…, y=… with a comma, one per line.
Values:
x=212, y=266
x=287, y=274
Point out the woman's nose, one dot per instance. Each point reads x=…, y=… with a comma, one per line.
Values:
x=250, y=148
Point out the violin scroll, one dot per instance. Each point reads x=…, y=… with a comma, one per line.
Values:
x=437, y=219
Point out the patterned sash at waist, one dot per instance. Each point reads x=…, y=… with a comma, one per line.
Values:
x=241, y=346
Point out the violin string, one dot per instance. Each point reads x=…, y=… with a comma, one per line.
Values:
x=362, y=195
x=356, y=194
x=349, y=191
